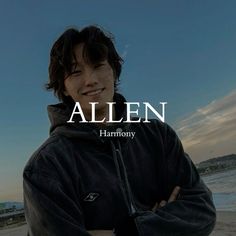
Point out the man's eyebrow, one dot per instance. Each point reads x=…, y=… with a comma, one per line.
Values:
x=74, y=64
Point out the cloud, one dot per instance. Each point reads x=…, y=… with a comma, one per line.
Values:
x=211, y=130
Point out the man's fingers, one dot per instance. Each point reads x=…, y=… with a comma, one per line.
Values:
x=162, y=203
x=172, y=198
x=174, y=194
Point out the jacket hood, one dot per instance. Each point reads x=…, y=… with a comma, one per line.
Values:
x=60, y=113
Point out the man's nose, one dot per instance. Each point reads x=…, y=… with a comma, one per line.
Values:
x=91, y=78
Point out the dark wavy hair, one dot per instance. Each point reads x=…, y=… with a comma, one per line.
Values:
x=98, y=46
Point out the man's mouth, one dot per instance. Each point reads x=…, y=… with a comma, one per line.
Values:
x=93, y=92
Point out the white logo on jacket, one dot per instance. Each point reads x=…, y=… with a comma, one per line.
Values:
x=91, y=197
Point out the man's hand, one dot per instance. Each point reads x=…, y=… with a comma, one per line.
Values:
x=172, y=198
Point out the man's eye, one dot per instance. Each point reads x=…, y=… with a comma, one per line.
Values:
x=99, y=65
x=76, y=72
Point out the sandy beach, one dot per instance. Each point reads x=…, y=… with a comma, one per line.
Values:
x=225, y=226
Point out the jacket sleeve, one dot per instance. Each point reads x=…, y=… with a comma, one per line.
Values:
x=49, y=209
x=193, y=213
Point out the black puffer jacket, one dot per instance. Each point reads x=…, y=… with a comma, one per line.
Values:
x=78, y=181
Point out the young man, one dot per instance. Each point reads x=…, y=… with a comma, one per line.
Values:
x=82, y=183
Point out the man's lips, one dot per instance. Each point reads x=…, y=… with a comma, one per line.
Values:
x=93, y=92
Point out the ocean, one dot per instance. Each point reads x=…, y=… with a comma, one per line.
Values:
x=223, y=187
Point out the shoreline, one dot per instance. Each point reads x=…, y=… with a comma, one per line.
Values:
x=225, y=226
x=216, y=171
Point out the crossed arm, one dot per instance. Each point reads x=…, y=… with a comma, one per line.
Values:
x=49, y=211
x=160, y=204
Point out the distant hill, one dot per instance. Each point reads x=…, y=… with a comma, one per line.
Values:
x=217, y=164
x=15, y=205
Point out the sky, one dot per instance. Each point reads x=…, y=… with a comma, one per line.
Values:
x=179, y=51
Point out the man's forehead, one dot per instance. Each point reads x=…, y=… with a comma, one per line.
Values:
x=76, y=63
x=82, y=62
x=78, y=54
x=81, y=58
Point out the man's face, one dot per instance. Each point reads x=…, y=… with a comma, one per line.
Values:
x=90, y=83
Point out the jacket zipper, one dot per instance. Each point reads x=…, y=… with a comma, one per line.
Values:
x=123, y=178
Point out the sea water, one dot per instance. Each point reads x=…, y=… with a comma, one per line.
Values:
x=223, y=187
